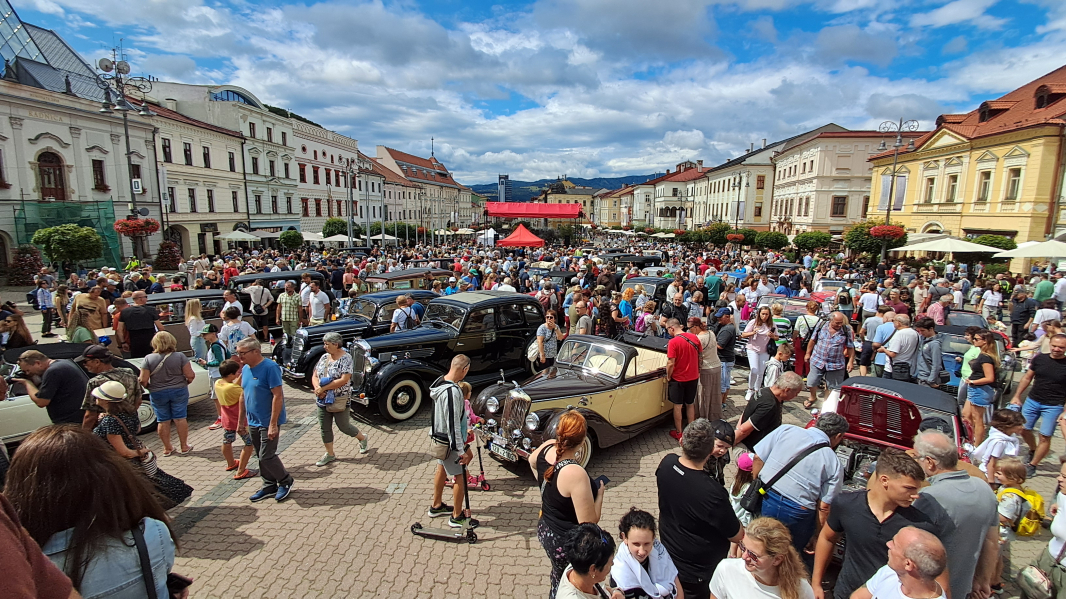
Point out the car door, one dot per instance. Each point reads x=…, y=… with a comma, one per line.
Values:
x=513, y=335
x=478, y=340
x=642, y=395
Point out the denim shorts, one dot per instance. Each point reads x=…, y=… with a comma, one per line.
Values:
x=170, y=404
x=1048, y=416
x=980, y=395
x=228, y=437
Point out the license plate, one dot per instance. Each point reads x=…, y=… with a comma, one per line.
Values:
x=361, y=400
x=498, y=440
x=506, y=454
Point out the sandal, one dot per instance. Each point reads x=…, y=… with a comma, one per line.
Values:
x=167, y=453
x=189, y=450
x=248, y=473
x=808, y=404
x=232, y=468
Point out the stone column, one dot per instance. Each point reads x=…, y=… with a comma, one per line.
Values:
x=121, y=183
x=82, y=181
x=23, y=177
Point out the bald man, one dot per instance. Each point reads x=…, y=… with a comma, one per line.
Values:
x=915, y=559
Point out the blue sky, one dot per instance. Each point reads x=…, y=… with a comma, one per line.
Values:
x=582, y=87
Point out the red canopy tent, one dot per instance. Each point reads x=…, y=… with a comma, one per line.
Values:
x=532, y=210
x=521, y=237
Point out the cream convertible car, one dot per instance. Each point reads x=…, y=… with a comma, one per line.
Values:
x=19, y=416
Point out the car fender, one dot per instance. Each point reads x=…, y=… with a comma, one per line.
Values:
x=383, y=375
x=310, y=359
x=594, y=421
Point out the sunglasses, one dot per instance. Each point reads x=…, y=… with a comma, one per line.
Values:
x=749, y=554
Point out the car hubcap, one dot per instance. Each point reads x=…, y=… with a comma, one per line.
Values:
x=402, y=399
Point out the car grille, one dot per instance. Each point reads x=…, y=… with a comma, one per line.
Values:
x=514, y=415
x=950, y=389
x=358, y=366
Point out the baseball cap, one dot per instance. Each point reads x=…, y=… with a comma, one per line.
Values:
x=209, y=328
x=723, y=312
x=451, y=279
x=95, y=352
x=744, y=462
x=723, y=431
x=110, y=391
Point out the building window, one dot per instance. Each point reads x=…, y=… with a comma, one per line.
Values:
x=167, y=156
x=236, y=200
x=984, y=185
x=207, y=157
x=99, y=182
x=930, y=190
x=270, y=168
x=953, y=188
x=255, y=165
x=337, y=178
x=192, y=200
x=172, y=200
x=258, y=204
x=360, y=185
x=135, y=171
x=758, y=209
x=270, y=134
x=840, y=206
x=285, y=169
x=210, y=200
x=251, y=130
x=302, y=170
x=187, y=152
x=284, y=139
x=316, y=154
x=865, y=206
x=232, y=163
x=760, y=182
x=1014, y=182
x=340, y=210
x=318, y=207
x=314, y=175
x=288, y=202
x=303, y=203
x=329, y=178
x=360, y=211
x=273, y=202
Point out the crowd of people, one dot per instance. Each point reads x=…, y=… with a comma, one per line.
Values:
x=710, y=540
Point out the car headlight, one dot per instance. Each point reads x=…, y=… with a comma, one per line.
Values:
x=527, y=443
x=532, y=421
x=492, y=405
x=371, y=363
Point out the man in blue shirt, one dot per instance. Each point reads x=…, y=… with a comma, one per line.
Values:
x=264, y=405
x=453, y=287
x=881, y=335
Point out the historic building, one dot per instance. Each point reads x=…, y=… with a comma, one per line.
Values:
x=322, y=174
x=442, y=200
x=997, y=169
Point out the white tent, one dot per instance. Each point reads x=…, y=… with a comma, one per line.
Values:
x=237, y=236
x=338, y=238
x=382, y=238
x=465, y=232
x=1045, y=249
x=947, y=244
x=486, y=237
x=311, y=236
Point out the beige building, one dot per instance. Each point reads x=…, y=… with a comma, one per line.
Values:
x=439, y=198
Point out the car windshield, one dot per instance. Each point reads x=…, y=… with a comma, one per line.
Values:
x=966, y=319
x=362, y=308
x=583, y=354
x=957, y=344
x=448, y=314
x=831, y=285
x=649, y=288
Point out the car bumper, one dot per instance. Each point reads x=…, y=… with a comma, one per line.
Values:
x=501, y=448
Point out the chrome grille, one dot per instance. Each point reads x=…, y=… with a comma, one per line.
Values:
x=358, y=364
x=514, y=415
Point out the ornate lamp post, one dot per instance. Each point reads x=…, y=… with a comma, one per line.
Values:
x=741, y=176
x=898, y=128
x=348, y=164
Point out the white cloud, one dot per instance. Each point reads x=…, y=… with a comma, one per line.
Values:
x=960, y=11
x=48, y=7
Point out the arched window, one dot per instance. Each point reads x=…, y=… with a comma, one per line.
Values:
x=50, y=167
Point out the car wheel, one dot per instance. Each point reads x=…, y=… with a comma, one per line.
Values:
x=146, y=415
x=584, y=452
x=402, y=399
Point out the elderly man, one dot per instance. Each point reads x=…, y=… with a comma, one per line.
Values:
x=831, y=354
x=974, y=545
x=97, y=359
x=288, y=312
x=676, y=310
x=939, y=310
x=231, y=302
x=583, y=326
x=136, y=325
x=62, y=386
x=696, y=522
x=802, y=496
x=901, y=350
x=131, y=283
x=915, y=559
x=264, y=404
x=404, y=316
x=763, y=415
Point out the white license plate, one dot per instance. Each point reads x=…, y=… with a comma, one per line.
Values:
x=506, y=454
x=498, y=440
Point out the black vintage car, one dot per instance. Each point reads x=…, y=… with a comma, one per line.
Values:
x=368, y=315
x=654, y=287
x=492, y=328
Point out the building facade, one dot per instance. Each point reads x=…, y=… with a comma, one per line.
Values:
x=443, y=200
x=322, y=174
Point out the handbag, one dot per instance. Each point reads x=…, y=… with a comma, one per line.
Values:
x=147, y=462
x=753, y=497
x=1035, y=583
x=176, y=583
x=258, y=308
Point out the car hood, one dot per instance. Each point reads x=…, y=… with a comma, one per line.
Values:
x=874, y=415
x=348, y=324
x=420, y=336
x=564, y=381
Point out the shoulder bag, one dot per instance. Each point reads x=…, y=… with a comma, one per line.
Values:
x=1035, y=583
x=147, y=462
x=176, y=583
x=752, y=499
x=258, y=308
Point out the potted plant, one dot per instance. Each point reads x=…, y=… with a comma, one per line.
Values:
x=887, y=232
x=138, y=227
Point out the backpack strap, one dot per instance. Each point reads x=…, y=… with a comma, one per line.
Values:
x=145, y=561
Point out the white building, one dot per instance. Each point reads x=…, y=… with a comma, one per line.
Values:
x=441, y=198
x=322, y=158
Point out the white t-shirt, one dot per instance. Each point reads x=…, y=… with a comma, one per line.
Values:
x=401, y=315
x=732, y=580
x=318, y=303
x=870, y=301
x=568, y=591
x=992, y=298
x=904, y=343
x=1045, y=314
x=228, y=305
x=1060, y=289
x=885, y=584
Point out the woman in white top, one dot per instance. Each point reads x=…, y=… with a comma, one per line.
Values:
x=195, y=323
x=991, y=301
x=769, y=566
x=642, y=566
x=759, y=333
x=869, y=301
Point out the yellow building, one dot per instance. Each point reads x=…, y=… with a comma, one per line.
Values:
x=997, y=169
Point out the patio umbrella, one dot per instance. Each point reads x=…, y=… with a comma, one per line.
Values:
x=465, y=232
x=1046, y=249
x=338, y=238
x=948, y=244
x=383, y=238
x=311, y=236
x=237, y=236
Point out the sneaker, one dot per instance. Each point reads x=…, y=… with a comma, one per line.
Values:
x=325, y=459
x=1030, y=471
x=676, y=434
x=263, y=493
x=48, y=335
x=283, y=492
x=364, y=444
x=217, y=425
x=997, y=589
x=463, y=521
x=248, y=473
x=443, y=510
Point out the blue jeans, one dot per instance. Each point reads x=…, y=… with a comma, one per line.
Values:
x=170, y=404
x=799, y=520
x=727, y=376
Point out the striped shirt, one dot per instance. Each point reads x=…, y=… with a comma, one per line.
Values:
x=290, y=307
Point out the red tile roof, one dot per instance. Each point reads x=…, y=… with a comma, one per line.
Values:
x=432, y=168
x=390, y=177
x=177, y=116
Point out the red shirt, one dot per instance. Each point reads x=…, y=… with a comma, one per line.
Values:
x=687, y=363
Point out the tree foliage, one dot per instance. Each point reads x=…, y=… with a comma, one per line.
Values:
x=858, y=238
x=749, y=236
x=334, y=226
x=716, y=233
x=69, y=243
x=812, y=240
x=996, y=241
x=771, y=240
x=291, y=239
x=25, y=264
x=167, y=257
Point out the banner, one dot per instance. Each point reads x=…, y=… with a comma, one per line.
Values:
x=681, y=219
x=901, y=192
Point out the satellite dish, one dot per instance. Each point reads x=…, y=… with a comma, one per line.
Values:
x=123, y=67
x=106, y=65
x=142, y=211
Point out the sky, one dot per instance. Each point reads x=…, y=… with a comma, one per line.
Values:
x=586, y=88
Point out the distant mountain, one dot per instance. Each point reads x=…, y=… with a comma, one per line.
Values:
x=524, y=190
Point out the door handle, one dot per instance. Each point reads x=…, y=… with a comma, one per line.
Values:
x=460, y=344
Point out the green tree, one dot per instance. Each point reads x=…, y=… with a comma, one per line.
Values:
x=291, y=240
x=771, y=240
x=749, y=236
x=25, y=264
x=858, y=238
x=716, y=233
x=69, y=243
x=996, y=241
x=812, y=240
x=168, y=257
x=334, y=226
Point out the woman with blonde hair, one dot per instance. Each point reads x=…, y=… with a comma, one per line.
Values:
x=490, y=282
x=768, y=566
x=167, y=374
x=194, y=321
x=80, y=330
x=568, y=496
x=640, y=297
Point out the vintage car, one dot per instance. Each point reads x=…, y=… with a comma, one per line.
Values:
x=19, y=416
x=640, y=262
x=965, y=318
x=953, y=346
x=492, y=328
x=411, y=278
x=619, y=386
x=775, y=269
x=368, y=315
x=654, y=287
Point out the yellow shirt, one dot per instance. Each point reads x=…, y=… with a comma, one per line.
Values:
x=229, y=394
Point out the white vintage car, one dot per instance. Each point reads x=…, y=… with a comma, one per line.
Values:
x=19, y=416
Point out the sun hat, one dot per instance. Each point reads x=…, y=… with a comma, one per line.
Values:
x=110, y=391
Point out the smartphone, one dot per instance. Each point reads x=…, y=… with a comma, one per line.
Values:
x=600, y=478
x=177, y=582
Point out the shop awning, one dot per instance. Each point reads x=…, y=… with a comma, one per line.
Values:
x=531, y=210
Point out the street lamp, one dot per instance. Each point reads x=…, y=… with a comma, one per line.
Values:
x=348, y=163
x=115, y=79
x=898, y=129
x=741, y=176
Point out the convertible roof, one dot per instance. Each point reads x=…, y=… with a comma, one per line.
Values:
x=410, y=273
x=283, y=275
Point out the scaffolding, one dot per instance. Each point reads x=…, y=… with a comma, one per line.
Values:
x=31, y=216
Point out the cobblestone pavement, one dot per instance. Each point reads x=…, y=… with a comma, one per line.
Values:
x=345, y=529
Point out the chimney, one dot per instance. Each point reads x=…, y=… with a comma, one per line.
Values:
x=667, y=171
x=700, y=163
x=171, y=104
x=764, y=142
x=751, y=148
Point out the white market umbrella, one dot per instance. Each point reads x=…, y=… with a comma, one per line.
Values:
x=311, y=236
x=465, y=232
x=338, y=238
x=948, y=244
x=237, y=236
x=1046, y=249
x=382, y=238
x=664, y=235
